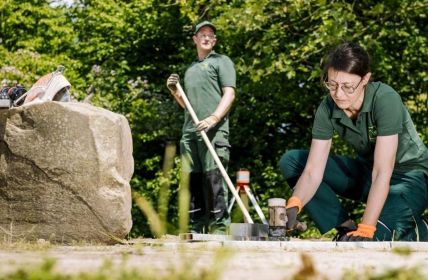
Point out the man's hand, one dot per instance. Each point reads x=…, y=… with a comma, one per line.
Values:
x=363, y=233
x=207, y=123
x=171, y=83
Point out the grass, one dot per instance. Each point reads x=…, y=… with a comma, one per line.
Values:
x=403, y=273
x=402, y=251
x=40, y=245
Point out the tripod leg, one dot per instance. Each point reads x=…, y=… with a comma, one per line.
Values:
x=255, y=204
x=232, y=201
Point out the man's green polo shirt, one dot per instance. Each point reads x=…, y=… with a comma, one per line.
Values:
x=203, y=82
x=382, y=114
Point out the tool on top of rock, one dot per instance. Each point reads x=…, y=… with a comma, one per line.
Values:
x=8, y=94
x=51, y=87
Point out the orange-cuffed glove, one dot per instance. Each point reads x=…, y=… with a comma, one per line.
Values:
x=363, y=233
x=294, y=201
x=294, y=206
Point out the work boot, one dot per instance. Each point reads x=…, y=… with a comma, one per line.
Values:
x=217, y=202
x=220, y=226
x=197, y=221
x=343, y=229
x=197, y=209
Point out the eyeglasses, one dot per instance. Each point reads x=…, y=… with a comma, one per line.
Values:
x=208, y=36
x=332, y=87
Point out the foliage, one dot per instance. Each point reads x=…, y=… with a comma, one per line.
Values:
x=125, y=50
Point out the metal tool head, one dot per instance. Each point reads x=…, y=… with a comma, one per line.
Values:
x=246, y=231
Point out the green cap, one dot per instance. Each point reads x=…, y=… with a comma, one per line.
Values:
x=204, y=23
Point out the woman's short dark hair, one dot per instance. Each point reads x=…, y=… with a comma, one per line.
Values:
x=350, y=58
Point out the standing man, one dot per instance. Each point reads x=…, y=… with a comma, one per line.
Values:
x=209, y=84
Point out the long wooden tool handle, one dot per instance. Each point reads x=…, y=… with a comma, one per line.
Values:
x=215, y=156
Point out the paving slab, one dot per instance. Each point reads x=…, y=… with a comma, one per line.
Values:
x=216, y=241
x=364, y=245
x=308, y=245
x=296, y=244
x=246, y=260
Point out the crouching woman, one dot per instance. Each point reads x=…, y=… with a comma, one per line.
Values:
x=390, y=172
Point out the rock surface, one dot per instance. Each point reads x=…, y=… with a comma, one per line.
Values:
x=64, y=173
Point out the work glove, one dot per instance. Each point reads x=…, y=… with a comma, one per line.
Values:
x=294, y=205
x=207, y=123
x=291, y=217
x=363, y=233
x=171, y=83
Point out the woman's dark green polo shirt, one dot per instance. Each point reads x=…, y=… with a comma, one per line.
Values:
x=382, y=114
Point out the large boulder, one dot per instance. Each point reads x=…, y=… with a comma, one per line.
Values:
x=64, y=173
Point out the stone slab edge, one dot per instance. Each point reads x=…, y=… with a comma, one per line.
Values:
x=292, y=245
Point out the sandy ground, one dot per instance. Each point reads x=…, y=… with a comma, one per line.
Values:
x=238, y=260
